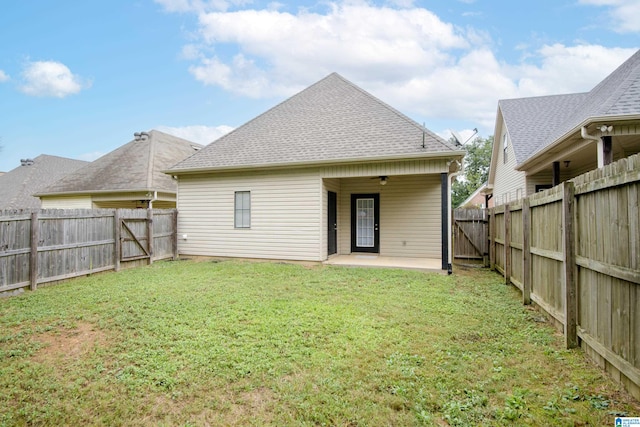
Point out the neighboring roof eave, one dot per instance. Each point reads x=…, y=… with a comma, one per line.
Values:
x=91, y=193
x=540, y=156
x=293, y=165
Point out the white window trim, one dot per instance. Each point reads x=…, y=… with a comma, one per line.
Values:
x=240, y=222
x=505, y=146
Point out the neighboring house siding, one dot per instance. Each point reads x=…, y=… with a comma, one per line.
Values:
x=409, y=214
x=509, y=184
x=161, y=204
x=79, y=202
x=285, y=215
x=132, y=204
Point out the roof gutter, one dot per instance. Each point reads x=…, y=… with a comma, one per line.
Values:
x=584, y=133
x=93, y=192
x=429, y=155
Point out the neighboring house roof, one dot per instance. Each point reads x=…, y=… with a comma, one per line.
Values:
x=536, y=123
x=18, y=185
x=135, y=166
x=331, y=121
x=531, y=122
x=470, y=202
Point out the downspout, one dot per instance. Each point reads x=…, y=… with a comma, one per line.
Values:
x=450, y=179
x=153, y=199
x=585, y=135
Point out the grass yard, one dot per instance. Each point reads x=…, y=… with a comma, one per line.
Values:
x=239, y=343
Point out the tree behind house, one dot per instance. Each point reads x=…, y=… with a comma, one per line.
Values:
x=476, y=169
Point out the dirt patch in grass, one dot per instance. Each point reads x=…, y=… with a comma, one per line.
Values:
x=68, y=343
x=256, y=401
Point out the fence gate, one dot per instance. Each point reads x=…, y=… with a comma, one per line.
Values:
x=470, y=234
x=135, y=229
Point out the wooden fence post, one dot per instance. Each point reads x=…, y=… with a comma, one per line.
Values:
x=174, y=238
x=117, y=229
x=526, y=251
x=507, y=244
x=492, y=238
x=33, y=260
x=485, y=232
x=569, y=264
x=150, y=234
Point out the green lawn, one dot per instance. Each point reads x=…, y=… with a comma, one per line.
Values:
x=239, y=343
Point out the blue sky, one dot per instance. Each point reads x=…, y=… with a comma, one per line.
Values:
x=78, y=78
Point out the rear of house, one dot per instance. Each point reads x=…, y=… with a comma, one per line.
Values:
x=330, y=171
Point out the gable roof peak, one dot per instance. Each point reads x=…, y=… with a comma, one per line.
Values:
x=333, y=120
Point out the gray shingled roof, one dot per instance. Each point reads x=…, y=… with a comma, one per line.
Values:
x=536, y=123
x=532, y=121
x=135, y=166
x=18, y=185
x=332, y=120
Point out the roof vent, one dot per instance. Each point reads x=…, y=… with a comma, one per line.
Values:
x=141, y=136
x=26, y=162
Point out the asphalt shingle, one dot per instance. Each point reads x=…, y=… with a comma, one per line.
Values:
x=18, y=185
x=137, y=165
x=331, y=120
x=535, y=123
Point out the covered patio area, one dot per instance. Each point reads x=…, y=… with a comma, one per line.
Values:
x=375, y=260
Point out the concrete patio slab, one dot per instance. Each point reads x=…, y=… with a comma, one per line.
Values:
x=373, y=260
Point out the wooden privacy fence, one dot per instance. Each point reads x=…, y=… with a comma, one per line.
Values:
x=470, y=234
x=41, y=246
x=574, y=250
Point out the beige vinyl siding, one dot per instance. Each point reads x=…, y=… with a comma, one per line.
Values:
x=163, y=204
x=285, y=215
x=407, y=167
x=71, y=202
x=509, y=183
x=409, y=214
x=132, y=204
x=119, y=204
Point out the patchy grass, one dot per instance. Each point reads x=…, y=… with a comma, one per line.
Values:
x=233, y=343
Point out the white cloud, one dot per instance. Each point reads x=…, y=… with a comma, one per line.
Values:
x=567, y=69
x=200, y=134
x=50, y=78
x=283, y=52
x=408, y=57
x=3, y=76
x=623, y=14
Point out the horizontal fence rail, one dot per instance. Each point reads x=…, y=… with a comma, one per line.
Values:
x=47, y=245
x=574, y=250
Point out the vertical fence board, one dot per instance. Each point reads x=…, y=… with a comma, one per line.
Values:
x=570, y=302
x=581, y=251
x=507, y=244
x=526, y=252
x=33, y=258
x=47, y=245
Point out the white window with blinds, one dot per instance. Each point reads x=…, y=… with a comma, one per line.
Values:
x=243, y=209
